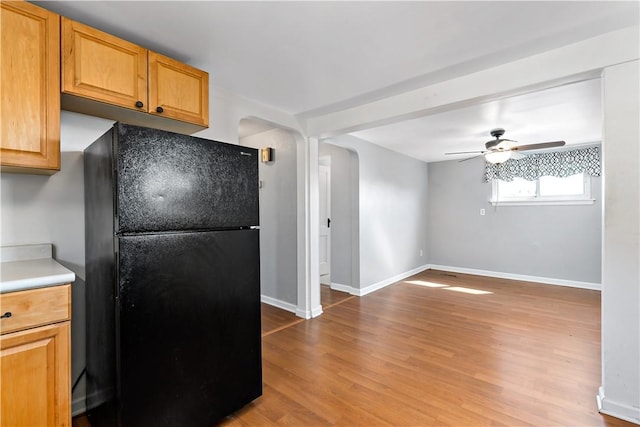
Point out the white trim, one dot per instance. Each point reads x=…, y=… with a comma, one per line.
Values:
x=618, y=410
x=101, y=396
x=305, y=314
x=317, y=311
x=577, y=199
x=308, y=314
x=523, y=277
x=302, y=238
x=541, y=202
x=79, y=406
x=383, y=283
x=343, y=288
x=278, y=303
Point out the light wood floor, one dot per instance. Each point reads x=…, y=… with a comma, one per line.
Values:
x=275, y=319
x=330, y=297
x=416, y=355
x=413, y=355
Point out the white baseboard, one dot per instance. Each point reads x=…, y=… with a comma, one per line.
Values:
x=317, y=311
x=379, y=285
x=79, y=406
x=343, y=288
x=523, y=277
x=618, y=410
x=279, y=303
x=305, y=314
x=308, y=314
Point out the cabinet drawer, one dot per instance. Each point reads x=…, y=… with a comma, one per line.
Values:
x=35, y=307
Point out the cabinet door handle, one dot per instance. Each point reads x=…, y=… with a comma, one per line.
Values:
x=159, y=109
x=6, y=315
x=139, y=104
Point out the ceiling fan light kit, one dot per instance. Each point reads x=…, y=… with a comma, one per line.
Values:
x=497, y=156
x=499, y=150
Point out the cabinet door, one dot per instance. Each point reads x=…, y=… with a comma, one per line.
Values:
x=177, y=90
x=99, y=66
x=30, y=87
x=36, y=384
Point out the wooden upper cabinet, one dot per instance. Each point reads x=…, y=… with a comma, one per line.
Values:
x=30, y=88
x=99, y=66
x=177, y=90
x=102, y=73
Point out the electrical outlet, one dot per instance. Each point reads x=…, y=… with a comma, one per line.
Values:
x=482, y=211
x=420, y=252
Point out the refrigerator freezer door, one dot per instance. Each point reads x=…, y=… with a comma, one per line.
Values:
x=166, y=181
x=189, y=326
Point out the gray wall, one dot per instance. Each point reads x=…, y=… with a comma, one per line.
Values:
x=344, y=213
x=50, y=209
x=558, y=242
x=393, y=209
x=278, y=227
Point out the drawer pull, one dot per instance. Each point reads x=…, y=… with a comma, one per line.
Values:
x=6, y=315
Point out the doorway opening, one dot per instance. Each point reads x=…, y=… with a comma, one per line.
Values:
x=338, y=221
x=324, y=186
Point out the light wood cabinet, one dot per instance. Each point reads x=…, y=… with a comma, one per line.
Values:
x=30, y=89
x=102, y=67
x=181, y=91
x=110, y=77
x=35, y=359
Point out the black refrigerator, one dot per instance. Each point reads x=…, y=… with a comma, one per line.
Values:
x=172, y=279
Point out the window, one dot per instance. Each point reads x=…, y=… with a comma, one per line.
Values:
x=546, y=190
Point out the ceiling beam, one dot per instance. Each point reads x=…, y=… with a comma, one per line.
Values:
x=583, y=60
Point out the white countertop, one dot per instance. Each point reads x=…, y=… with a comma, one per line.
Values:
x=30, y=266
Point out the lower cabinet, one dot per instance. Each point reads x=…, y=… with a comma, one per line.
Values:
x=35, y=365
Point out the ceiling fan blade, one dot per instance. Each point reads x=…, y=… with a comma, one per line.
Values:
x=498, y=141
x=539, y=146
x=470, y=158
x=468, y=152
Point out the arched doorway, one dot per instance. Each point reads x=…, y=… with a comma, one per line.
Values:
x=284, y=214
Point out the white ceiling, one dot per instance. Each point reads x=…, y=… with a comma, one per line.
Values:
x=571, y=113
x=310, y=58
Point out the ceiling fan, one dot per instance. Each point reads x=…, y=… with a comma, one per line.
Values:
x=499, y=150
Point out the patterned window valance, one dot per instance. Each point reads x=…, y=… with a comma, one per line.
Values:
x=558, y=163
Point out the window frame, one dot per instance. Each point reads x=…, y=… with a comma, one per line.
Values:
x=578, y=199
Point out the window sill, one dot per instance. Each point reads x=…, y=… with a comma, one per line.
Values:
x=547, y=202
